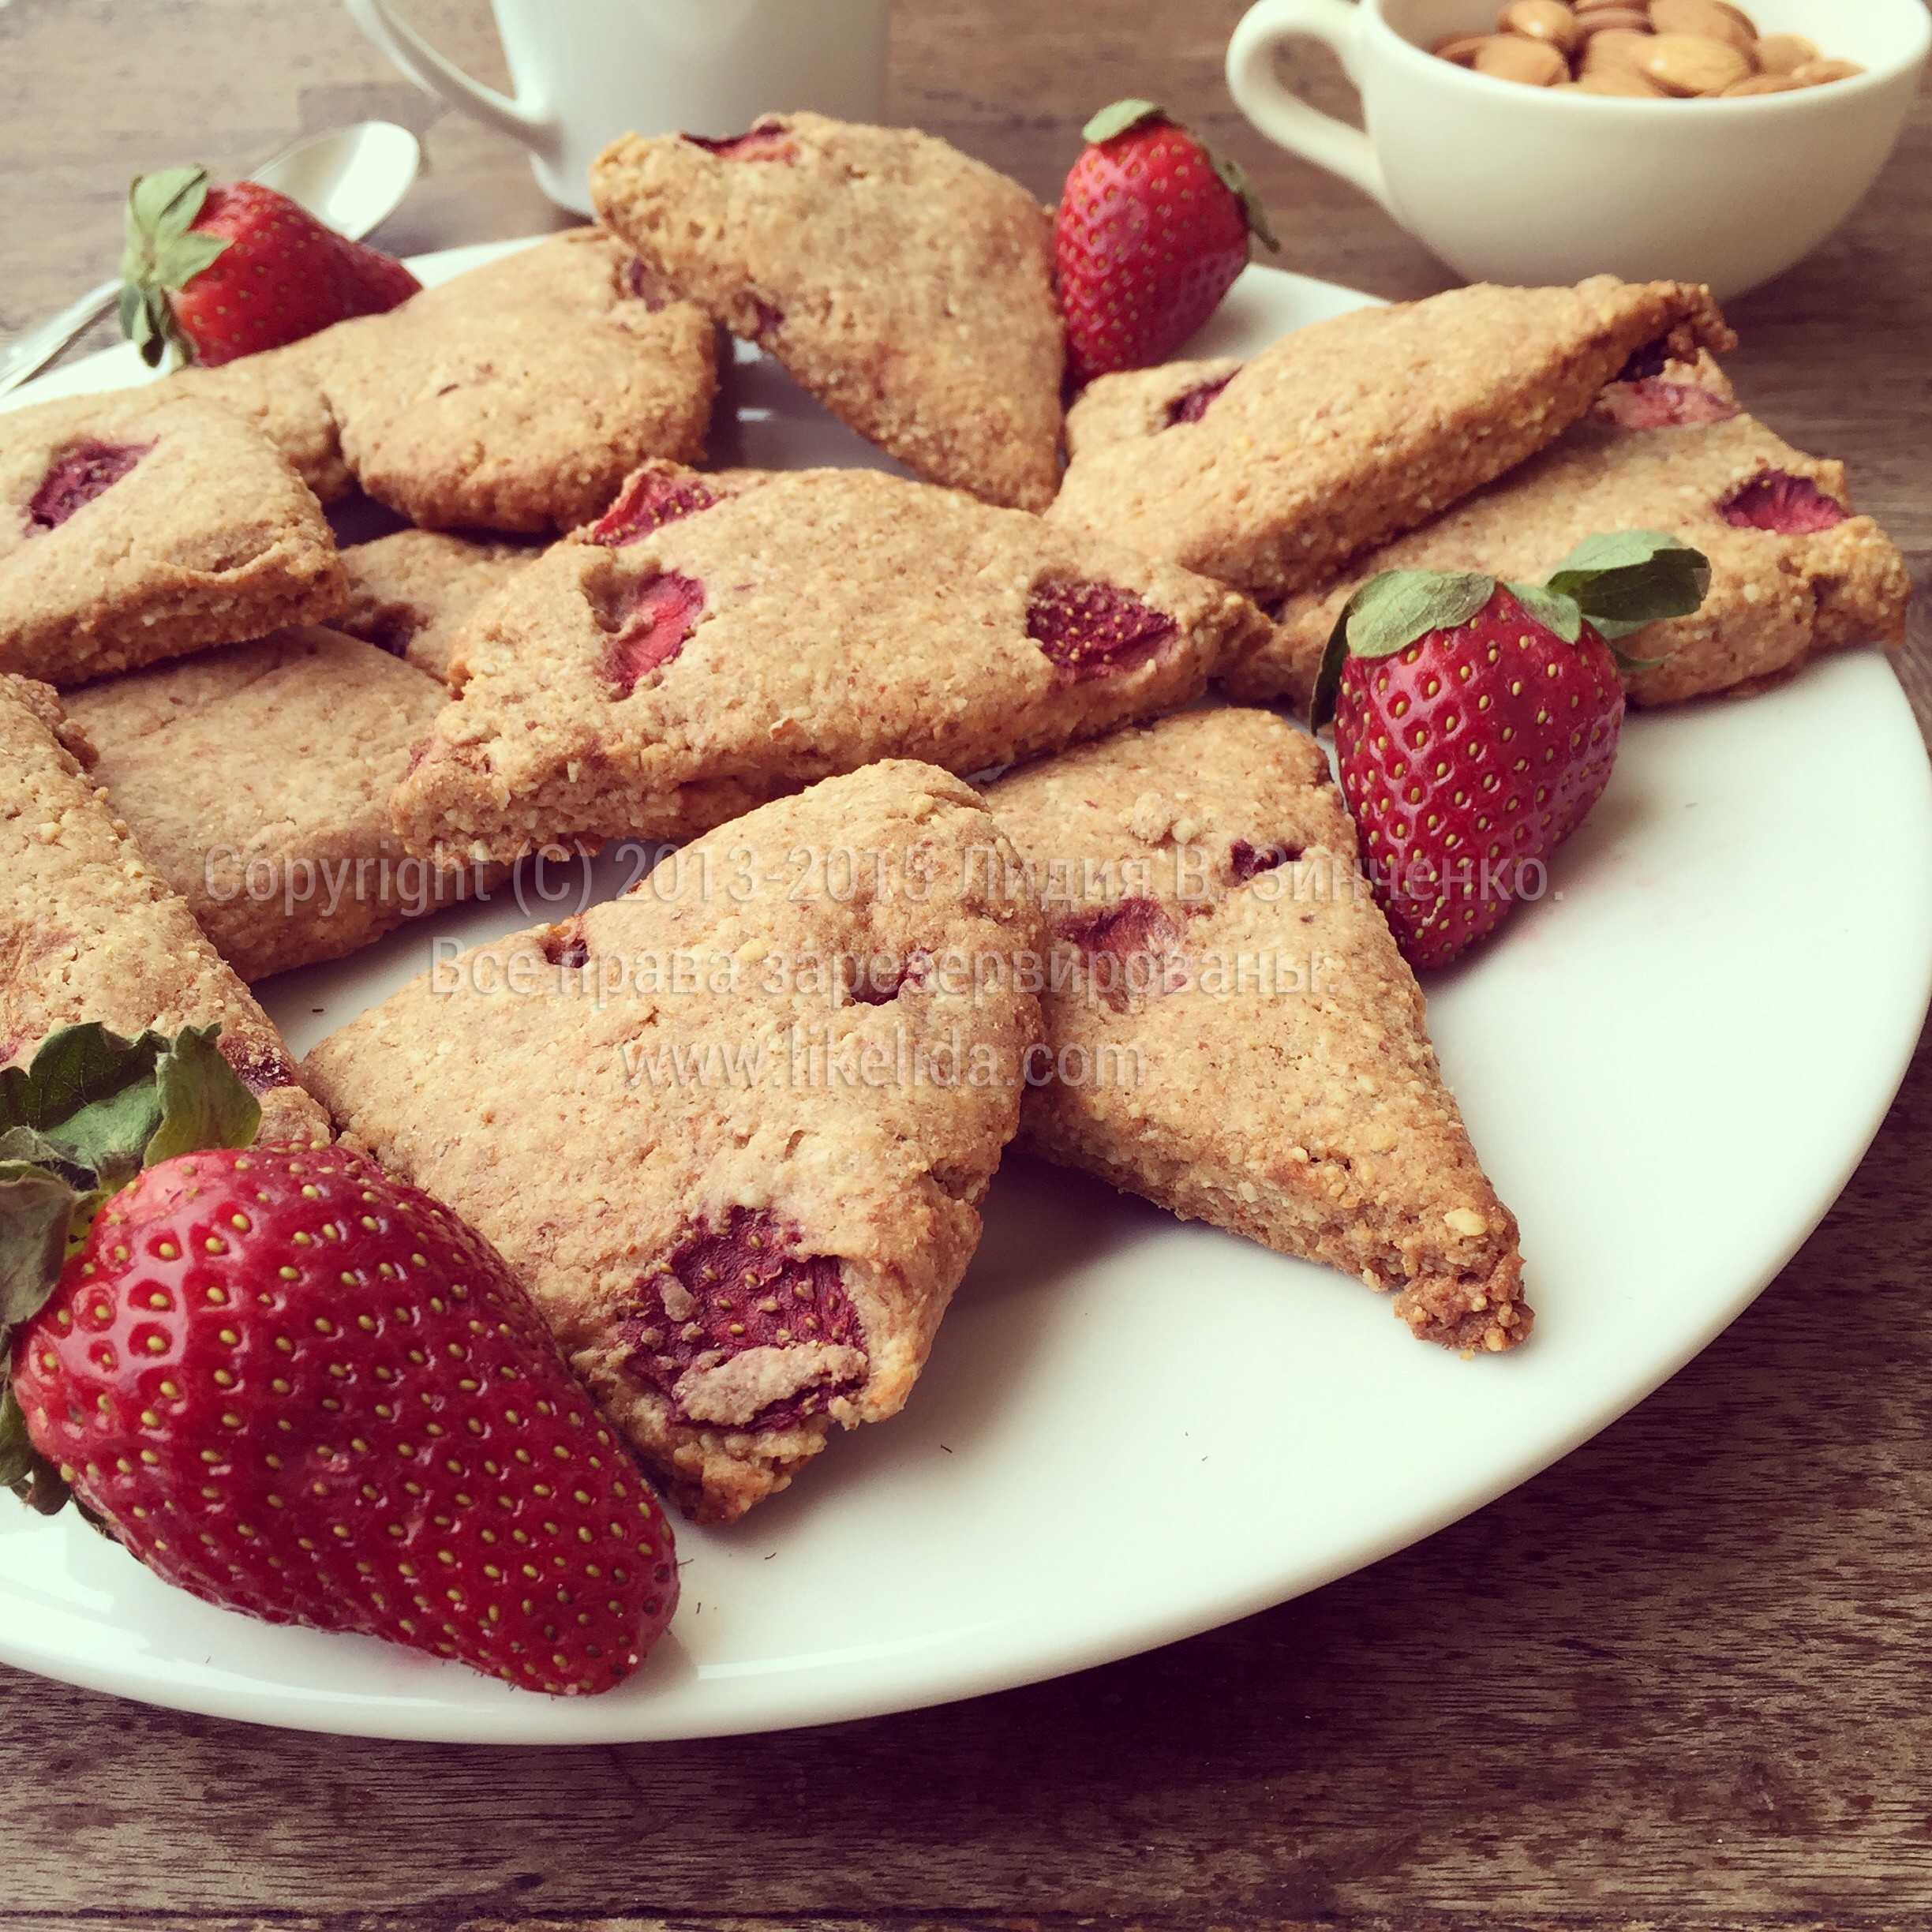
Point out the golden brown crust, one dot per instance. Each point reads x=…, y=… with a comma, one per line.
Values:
x=1246, y=1046
x=907, y=286
x=586, y=1106
x=1775, y=601
x=88, y=931
x=1342, y=435
x=206, y=537
x=257, y=778
x=846, y=616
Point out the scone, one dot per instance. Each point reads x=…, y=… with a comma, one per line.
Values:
x=256, y=780
x=1793, y=571
x=515, y=397
x=89, y=930
x=144, y=524
x=907, y=286
x=1272, y=473
x=732, y=1129
x=652, y=678
x=1230, y=1031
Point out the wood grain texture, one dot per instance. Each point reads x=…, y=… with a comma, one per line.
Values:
x=1681, y=1679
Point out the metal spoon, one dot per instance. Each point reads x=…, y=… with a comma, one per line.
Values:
x=349, y=179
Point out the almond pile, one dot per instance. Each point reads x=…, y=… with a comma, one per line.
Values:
x=1644, y=49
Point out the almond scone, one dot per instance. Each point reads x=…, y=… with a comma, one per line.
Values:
x=89, y=930
x=1230, y=1031
x=144, y=524
x=907, y=286
x=515, y=397
x=1272, y=472
x=1793, y=571
x=256, y=779
x=695, y=655
x=732, y=1129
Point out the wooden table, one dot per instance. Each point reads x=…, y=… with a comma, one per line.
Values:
x=1685, y=1678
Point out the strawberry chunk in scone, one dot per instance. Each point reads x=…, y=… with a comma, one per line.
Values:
x=1793, y=572
x=1230, y=1030
x=907, y=286
x=732, y=1129
x=1270, y=474
x=695, y=653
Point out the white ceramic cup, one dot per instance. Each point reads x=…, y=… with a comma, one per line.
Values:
x=1525, y=184
x=587, y=71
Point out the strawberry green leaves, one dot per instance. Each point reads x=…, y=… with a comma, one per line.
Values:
x=164, y=252
x=202, y=1101
x=1617, y=582
x=1395, y=608
x=23, y=1468
x=1388, y=613
x=34, y=1208
x=1118, y=116
x=80, y=1121
x=1622, y=580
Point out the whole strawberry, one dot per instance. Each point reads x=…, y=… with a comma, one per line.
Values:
x=1152, y=229
x=1476, y=723
x=211, y=274
x=298, y=1388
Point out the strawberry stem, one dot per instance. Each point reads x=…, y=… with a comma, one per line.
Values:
x=165, y=252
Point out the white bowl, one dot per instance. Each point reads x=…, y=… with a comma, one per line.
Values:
x=1516, y=184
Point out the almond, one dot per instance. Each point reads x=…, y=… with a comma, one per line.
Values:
x=1708, y=19
x=1763, y=84
x=1783, y=54
x=1550, y=21
x=1816, y=73
x=1616, y=46
x=1689, y=64
x=1622, y=19
x=1624, y=81
x=1460, y=48
x=1510, y=57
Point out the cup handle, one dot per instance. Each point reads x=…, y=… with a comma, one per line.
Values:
x=1283, y=116
x=435, y=75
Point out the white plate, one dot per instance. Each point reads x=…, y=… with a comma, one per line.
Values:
x=1133, y=1429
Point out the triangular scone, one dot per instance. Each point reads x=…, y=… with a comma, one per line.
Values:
x=89, y=931
x=732, y=1130
x=1272, y=472
x=652, y=682
x=515, y=397
x=1793, y=572
x=1230, y=1031
x=144, y=524
x=256, y=779
x=907, y=286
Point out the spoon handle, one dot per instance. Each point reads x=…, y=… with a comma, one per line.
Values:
x=33, y=351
